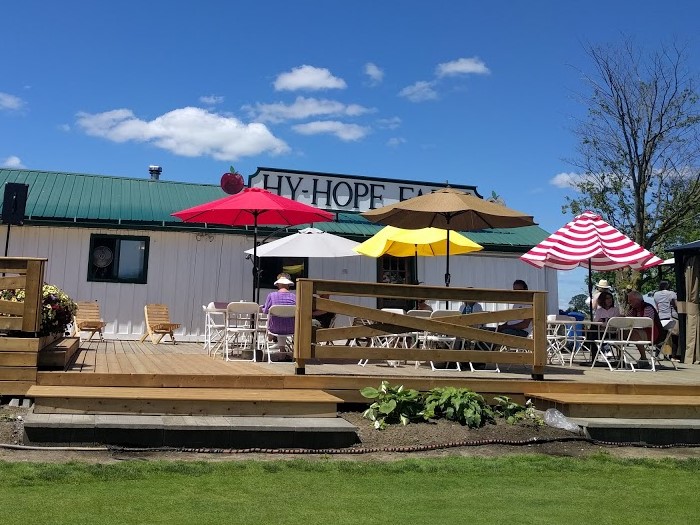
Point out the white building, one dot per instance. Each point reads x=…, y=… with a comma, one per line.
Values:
x=113, y=240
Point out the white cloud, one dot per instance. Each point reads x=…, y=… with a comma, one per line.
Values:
x=211, y=100
x=395, y=142
x=189, y=132
x=375, y=74
x=419, y=92
x=64, y=127
x=565, y=180
x=345, y=132
x=10, y=102
x=308, y=77
x=462, y=66
x=389, y=123
x=12, y=162
x=303, y=108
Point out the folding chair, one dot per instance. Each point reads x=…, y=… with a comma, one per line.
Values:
x=387, y=341
x=621, y=336
x=277, y=342
x=240, y=329
x=558, y=337
x=158, y=323
x=214, y=326
x=87, y=319
x=435, y=340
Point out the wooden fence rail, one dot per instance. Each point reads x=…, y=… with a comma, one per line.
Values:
x=313, y=343
x=27, y=273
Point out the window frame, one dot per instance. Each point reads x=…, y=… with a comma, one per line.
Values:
x=143, y=276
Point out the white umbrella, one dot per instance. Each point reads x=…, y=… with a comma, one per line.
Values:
x=309, y=242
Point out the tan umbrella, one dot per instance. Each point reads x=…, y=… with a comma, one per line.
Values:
x=449, y=209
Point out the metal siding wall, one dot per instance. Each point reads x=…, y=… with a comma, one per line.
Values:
x=186, y=271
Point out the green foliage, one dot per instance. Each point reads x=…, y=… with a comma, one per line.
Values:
x=457, y=404
x=57, y=308
x=514, y=412
x=579, y=302
x=392, y=405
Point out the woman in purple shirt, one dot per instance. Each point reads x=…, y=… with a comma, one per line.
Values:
x=281, y=325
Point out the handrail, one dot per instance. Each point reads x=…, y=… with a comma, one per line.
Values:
x=308, y=340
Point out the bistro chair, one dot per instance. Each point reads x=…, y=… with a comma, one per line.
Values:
x=87, y=319
x=158, y=323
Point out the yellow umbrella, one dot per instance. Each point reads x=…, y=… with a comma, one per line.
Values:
x=407, y=243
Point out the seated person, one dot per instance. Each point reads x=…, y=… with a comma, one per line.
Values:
x=520, y=327
x=321, y=318
x=639, y=308
x=606, y=308
x=470, y=307
x=281, y=325
x=421, y=304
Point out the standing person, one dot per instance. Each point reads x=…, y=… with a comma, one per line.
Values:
x=639, y=308
x=665, y=300
x=281, y=325
x=521, y=327
x=602, y=286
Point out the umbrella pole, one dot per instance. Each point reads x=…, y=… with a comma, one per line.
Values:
x=590, y=289
x=447, y=272
x=255, y=259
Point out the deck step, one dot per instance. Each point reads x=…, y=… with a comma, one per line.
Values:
x=630, y=406
x=188, y=431
x=59, y=353
x=184, y=401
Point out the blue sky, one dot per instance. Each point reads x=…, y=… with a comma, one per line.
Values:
x=481, y=93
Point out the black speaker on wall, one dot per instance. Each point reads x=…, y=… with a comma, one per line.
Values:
x=14, y=203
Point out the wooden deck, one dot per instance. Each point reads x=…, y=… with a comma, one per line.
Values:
x=187, y=365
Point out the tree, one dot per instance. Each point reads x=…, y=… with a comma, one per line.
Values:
x=579, y=302
x=638, y=145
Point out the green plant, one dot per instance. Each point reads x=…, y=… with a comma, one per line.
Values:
x=514, y=412
x=392, y=405
x=57, y=307
x=457, y=404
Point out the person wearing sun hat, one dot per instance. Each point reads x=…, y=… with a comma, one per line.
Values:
x=601, y=286
x=281, y=325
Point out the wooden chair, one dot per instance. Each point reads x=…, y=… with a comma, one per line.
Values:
x=158, y=323
x=87, y=319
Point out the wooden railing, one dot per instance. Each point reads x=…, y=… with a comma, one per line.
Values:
x=27, y=273
x=311, y=343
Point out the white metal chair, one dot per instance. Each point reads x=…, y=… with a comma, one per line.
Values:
x=437, y=340
x=240, y=329
x=387, y=341
x=621, y=335
x=418, y=336
x=214, y=326
x=558, y=337
x=275, y=342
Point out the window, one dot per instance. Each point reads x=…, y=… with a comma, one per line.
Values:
x=395, y=270
x=271, y=267
x=118, y=259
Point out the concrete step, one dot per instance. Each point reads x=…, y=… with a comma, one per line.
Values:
x=650, y=431
x=188, y=431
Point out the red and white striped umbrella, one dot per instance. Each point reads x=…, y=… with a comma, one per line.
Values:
x=590, y=242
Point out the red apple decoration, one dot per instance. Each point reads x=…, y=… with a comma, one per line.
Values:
x=232, y=182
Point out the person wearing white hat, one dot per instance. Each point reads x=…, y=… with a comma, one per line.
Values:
x=602, y=286
x=281, y=325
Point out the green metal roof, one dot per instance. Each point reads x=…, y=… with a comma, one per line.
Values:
x=104, y=201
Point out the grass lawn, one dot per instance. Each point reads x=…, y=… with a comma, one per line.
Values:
x=510, y=489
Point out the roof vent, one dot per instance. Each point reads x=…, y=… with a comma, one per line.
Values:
x=155, y=172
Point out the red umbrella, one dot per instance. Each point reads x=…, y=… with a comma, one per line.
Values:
x=253, y=207
x=590, y=242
